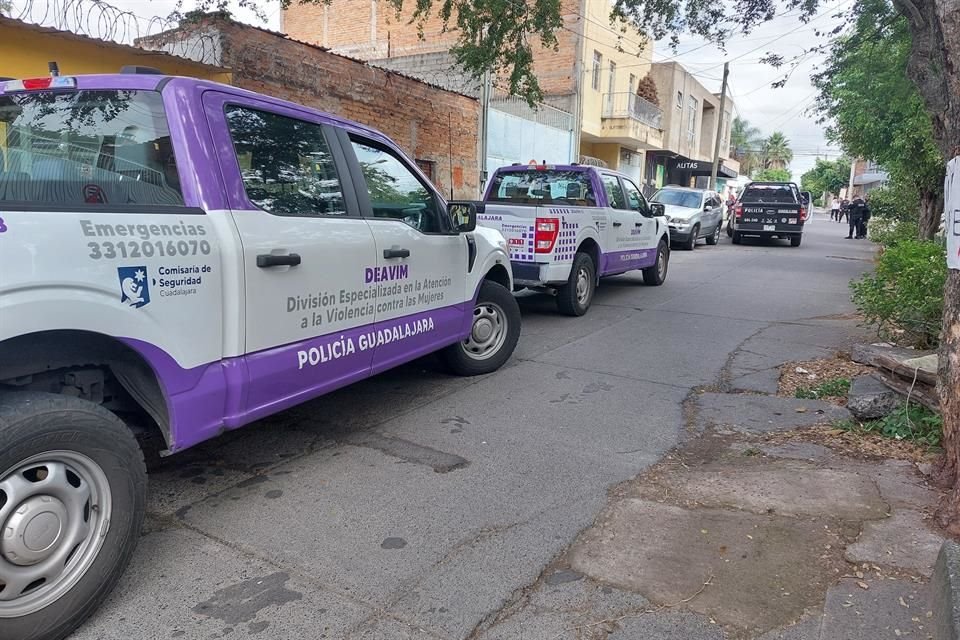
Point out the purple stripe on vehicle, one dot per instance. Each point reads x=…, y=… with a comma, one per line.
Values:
x=621, y=261
x=205, y=400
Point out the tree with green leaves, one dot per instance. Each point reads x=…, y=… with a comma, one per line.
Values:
x=875, y=111
x=500, y=36
x=775, y=151
x=745, y=140
x=772, y=175
x=828, y=176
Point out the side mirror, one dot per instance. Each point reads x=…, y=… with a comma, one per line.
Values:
x=464, y=215
x=657, y=209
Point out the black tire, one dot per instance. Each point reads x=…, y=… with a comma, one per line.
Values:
x=795, y=241
x=737, y=238
x=569, y=302
x=714, y=237
x=730, y=228
x=463, y=360
x=32, y=424
x=691, y=242
x=657, y=274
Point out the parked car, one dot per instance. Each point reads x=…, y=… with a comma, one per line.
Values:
x=770, y=210
x=185, y=259
x=569, y=225
x=691, y=214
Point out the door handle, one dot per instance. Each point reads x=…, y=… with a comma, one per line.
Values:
x=638, y=224
x=266, y=260
x=396, y=253
x=618, y=224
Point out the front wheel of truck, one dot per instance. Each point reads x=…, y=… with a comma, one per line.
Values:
x=574, y=298
x=72, y=499
x=657, y=274
x=494, y=333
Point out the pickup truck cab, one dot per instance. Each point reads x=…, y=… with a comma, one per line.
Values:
x=569, y=225
x=769, y=210
x=179, y=258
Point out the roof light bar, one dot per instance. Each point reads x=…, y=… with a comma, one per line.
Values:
x=40, y=84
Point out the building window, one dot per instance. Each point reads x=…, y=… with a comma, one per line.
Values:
x=612, y=83
x=427, y=166
x=680, y=100
x=692, y=117
x=633, y=84
x=597, y=63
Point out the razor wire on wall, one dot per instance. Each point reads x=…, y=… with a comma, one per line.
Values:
x=104, y=21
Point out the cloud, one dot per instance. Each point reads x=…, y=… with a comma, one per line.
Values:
x=785, y=109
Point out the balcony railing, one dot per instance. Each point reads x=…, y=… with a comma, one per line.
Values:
x=630, y=105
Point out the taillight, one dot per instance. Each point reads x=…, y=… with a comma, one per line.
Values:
x=738, y=211
x=803, y=214
x=37, y=84
x=547, y=230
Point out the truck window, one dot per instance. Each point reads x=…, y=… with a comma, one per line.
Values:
x=770, y=194
x=395, y=191
x=285, y=163
x=543, y=186
x=611, y=184
x=87, y=148
x=635, y=199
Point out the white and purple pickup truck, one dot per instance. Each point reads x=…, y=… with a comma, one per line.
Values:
x=569, y=225
x=179, y=258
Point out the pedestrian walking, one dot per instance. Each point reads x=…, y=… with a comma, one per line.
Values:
x=844, y=210
x=835, y=209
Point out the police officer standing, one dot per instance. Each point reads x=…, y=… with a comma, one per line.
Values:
x=855, y=214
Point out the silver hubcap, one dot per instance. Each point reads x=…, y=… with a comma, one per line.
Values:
x=54, y=515
x=662, y=264
x=583, y=285
x=488, y=333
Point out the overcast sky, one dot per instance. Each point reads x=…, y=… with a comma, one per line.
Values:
x=784, y=109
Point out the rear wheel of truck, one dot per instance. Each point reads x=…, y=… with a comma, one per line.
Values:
x=72, y=499
x=795, y=241
x=737, y=238
x=493, y=334
x=574, y=298
x=657, y=274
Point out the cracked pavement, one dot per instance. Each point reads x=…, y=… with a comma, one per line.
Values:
x=421, y=506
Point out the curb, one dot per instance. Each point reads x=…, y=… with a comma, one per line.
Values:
x=945, y=584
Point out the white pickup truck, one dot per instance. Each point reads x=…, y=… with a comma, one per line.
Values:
x=179, y=258
x=570, y=225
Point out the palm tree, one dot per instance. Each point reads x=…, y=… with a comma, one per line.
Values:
x=775, y=152
x=745, y=140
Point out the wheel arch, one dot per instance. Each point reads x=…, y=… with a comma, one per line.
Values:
x=591, y=247
x=499, y=274
x=46, y=354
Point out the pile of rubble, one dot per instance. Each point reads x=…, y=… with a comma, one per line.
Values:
x=899, y=375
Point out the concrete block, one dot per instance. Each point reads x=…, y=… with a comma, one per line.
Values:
x=869, y=398
x=945, y=592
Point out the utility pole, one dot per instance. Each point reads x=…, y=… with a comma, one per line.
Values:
x=720, y=125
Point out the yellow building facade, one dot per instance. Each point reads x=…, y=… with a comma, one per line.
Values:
x=26, y=49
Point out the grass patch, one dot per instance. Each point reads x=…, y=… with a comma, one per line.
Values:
x=836, y=388
x=913, y=423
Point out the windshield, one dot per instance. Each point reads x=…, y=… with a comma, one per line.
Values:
x=770, y=194
x=87, y=148
x=529, y=186
x=678, y=198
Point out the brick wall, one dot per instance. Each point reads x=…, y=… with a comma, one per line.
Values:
x=428, y=123
x=371, y=30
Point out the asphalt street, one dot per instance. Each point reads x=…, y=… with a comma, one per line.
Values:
x=416, y=505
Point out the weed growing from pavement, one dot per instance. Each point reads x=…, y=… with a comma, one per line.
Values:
x=836, y=388
x=910, y=422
